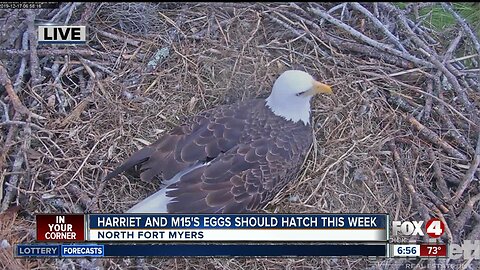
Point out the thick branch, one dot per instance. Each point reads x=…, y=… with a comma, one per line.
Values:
x=437, y=173
x=422, y=209
x=468, y=178
x=434, y=138
x=17, y=104
x=370, y=41
x=341, y=44
x=379, y=25
x=465, y=26
x=434, y=58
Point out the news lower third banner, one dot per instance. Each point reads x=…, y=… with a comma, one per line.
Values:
x=114, y=235
x=174, y=250
x=244, y=227
x=213, y=228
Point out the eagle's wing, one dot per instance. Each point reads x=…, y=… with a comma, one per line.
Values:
x=200, y=139
x=230, y=159
x=242, y=180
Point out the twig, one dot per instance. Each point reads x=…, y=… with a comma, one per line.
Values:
x=87, y=12
x=17, y=104
x=11, y=34
x=370, y=41
x=434, y=199
x=77, y=172
x=232, y=5
x=468, y=178
x=368, y=51
x=32, y=35
x=23, y=64
x=58, y=75
x=307, y=31
x=75, y=114
x=331, y=10
x=13, y=180
x=450, y=107
x=54, y=52
x=340, y=159
x=298, y=33
x=452, y=47
x=475, y=232
x=466, y=213
x=82, y=84
x=201, y=34
x=10, y=122
x=180, y=33
x=437, y=173
x=25, y=148
x=421, y=30
x=376, y=13
x=422, y=209
x=80, y=194
x=410, y=70
x=92, y=207
x=88, y=62
x=60, y=13
x=89, y=70
x=90, y=85
x=403, y=104
x=409, y=8
x=425, y=113
x=179, y=22
x=341, y=43
x=464, y=25
x=337, y=7
x=456, y=72
x=70, y=12
x=434, y=138
x=56, y=82
x=379, y=25
x=5, y=110
x=447, y=227
x=75, y=70
x=452, y=129
x=434, y=58
x=119, y=38
x=8, y=141
x=93, y=78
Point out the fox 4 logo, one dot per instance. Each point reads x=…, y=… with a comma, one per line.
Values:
x=434, y=228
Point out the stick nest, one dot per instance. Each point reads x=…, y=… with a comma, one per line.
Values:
x=400, y=135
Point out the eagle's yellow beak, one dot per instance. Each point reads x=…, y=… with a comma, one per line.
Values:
x=319, y=88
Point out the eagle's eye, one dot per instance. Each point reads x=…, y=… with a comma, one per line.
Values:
x=301, y=93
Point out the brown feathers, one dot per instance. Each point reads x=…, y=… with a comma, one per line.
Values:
x=252, y=154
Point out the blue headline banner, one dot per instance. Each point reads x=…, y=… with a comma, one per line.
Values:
x=168, y=250
x=82, y=250
x=234, y=221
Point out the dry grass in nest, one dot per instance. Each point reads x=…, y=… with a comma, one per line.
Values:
x=101, y=102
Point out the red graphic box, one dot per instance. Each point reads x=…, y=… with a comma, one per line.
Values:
x=60, y=227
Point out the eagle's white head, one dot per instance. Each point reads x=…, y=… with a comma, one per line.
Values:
x=291, y=94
